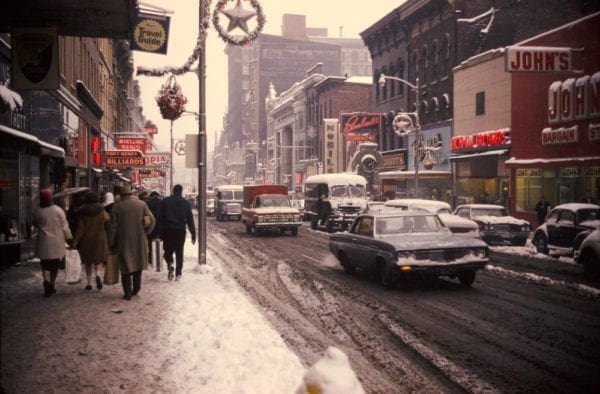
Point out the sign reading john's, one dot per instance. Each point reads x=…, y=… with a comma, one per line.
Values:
x=150, y=33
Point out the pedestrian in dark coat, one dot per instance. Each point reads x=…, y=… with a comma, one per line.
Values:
x=175, y=215
x=128, y=236
x=90, y=238
x=541, y=208
x=53, y=234
x=154, y=202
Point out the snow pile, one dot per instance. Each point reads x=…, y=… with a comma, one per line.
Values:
x=10, y=99
x=331, y=374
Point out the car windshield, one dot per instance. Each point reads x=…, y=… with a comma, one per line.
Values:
x=489, y=212
x=348, y=191
x=585, y=215
x=231, y=195
x=408, y=224
x=272, y=201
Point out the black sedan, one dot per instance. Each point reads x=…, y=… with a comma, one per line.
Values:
x=397, y=244
x=565, y=228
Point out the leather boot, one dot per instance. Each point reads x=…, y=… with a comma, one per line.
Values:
x=47, y=289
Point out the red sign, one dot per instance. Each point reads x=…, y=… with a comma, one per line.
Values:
x=480, y=140
x=131, y=143
x=124, y=158
x=538, y=59
x=359, y=126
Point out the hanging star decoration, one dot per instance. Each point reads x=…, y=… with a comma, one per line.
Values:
x=238, y=17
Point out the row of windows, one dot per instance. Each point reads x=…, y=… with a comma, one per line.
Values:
x=427, y=64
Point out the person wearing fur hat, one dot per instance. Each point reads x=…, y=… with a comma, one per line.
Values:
x=53, y=234
x=128, y=236
x=90, y=238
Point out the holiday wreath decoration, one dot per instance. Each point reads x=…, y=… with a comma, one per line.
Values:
x=171, y=100
x=238, y=18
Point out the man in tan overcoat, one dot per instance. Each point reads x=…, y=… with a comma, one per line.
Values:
x=130, y=222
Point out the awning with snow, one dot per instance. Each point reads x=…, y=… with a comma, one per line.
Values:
x=410, y=174
x=45, y=148
x=478, y=155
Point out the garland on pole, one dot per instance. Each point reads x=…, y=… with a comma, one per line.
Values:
x=171, y=100
x=238, y=17
x=204, y=25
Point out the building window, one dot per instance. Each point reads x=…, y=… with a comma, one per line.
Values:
x=384, y=87
x=480, y=103
x=401, y=76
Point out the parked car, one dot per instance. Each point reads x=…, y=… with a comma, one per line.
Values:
x=496, y=226
x=210, y=206
x=565, y=223
x=394, y=244
x=588, y=253
x=458, y=225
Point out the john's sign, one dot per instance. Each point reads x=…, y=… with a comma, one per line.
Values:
x=538, y=59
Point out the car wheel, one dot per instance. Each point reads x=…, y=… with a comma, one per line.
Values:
x=541, y=243
x=386, y=276
x=294, y=231
x=348, y=268
x=591, y=265
x=466, y=278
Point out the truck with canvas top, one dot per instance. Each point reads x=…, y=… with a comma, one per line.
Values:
x=267, y=207
x=334, y=199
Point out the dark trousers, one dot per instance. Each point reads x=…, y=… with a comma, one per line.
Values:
x=126, y=280
x=173, y=241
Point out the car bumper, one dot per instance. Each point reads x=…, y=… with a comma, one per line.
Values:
x=431, y=268
x=508, y=237
x=277, y=225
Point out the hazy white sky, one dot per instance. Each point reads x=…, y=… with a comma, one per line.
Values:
x=355, y=16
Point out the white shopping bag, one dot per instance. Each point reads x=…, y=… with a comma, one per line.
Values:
x=73, y=267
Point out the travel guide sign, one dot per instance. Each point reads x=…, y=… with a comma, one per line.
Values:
x=150, y=33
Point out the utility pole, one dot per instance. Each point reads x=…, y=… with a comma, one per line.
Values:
x=202, y=145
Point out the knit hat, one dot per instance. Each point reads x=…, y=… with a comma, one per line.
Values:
x=45, y=198
x=109, y=198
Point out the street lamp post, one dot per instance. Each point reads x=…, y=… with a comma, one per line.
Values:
x=404, y=126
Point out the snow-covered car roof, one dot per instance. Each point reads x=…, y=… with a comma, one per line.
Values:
x=431, y=205
x=344, y=178
x=481, y=206
x=575, y=206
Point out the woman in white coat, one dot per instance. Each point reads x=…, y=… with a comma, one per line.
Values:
x=53, y=234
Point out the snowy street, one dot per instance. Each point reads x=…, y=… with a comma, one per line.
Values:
x=266, y=308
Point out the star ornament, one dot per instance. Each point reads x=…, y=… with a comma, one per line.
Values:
x=238, y=17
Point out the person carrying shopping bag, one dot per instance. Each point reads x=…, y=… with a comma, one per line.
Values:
x=128, y=237
x=91, y=239
x=53, y=234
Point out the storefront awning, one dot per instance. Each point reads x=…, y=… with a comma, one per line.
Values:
x=46, y=148
x=423, y=174
x=470, y=156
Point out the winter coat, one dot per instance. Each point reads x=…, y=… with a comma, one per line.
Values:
x=90, y=237
x=175, y=214
x=155, y=203
x=128, y=234
x=53, y=232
